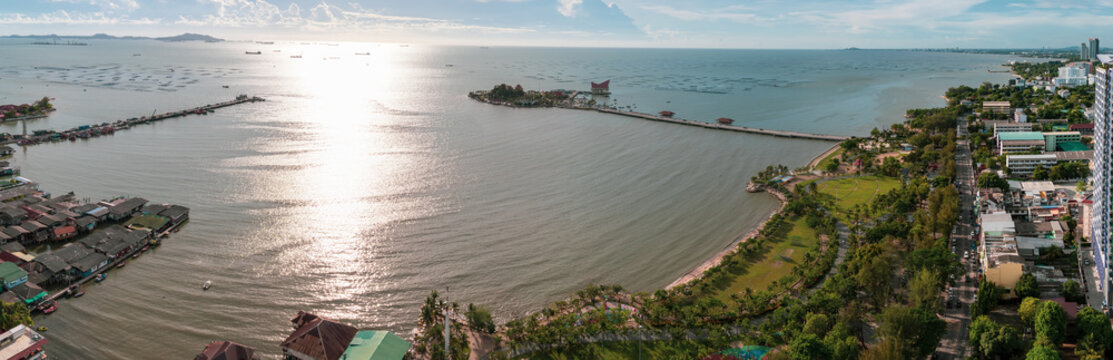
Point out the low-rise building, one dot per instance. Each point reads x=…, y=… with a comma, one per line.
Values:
x=317, y=338
x=1019, y=142
x=226, y=350
x=1086, y=129
x=376, y=345
x=11, y=275
x=22, y=343
x=1000, y=126
x=1052, y=139
x=1000, y=258
x=1002, y=107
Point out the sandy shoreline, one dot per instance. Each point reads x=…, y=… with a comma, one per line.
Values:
x=718, y=258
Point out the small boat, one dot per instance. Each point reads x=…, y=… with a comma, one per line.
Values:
x=363, y=53
x=447, y=65
x=208, y=283
x=41, y=329
x=100, y=277
x=253, y=52
x=49, y=307
x=725, y=121
x=136, y=54
x=79, y=293
x=224, y=86
x=136, y=254
x=145, y=247
x=121, y=264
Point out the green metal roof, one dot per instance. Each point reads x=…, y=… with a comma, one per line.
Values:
x=10, y=271
x=1020, y=135
x=376, y=345
x=1071, y=146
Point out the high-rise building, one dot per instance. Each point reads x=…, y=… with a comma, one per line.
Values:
x=1094, y=48
x=1085, y=53
x=1102, y=166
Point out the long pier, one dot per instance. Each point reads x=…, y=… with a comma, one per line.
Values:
x=87, y=131
x=716, y=126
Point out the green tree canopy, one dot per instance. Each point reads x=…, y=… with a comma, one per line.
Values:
x=1043, y=352
x=1029, y=307
x=1093, y=328
x=1027, y=286
x=808, y=346
x=1051, y=322
x=918, y=330
x=14, y=314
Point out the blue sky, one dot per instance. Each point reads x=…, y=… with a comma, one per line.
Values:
x=788, y=24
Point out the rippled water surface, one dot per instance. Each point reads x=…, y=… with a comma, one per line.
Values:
x=366, y=181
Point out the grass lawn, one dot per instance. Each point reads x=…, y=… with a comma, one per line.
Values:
x=627, y=350
x=775, y=261
x=822, y=165
x=858, y=190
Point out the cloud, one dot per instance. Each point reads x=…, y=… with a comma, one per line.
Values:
x=62, y=17
x=106, y=5
x=729, y=13
x=326, y=17
x=569, y=7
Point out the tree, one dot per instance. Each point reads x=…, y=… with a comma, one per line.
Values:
x=14, y=314
x=991, y=340
x=1027, y=286
x=917, y=330
x=1041, y=173
x=480, y=318
x=989, y=294
x=817, y=324
x=808, y=346
x=1051, y=322
x=1043, y=352
x=991, y=180
x=832, y=166
x=1093, y=327
x=1081, y=186
x=874, y=277
x=886, y=350
x=937, y=259
x=1029, y=307
x=923, y=291
x=1072, y=291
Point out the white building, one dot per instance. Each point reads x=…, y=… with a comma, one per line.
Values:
x=1102, y=166
x=1026, y=164
x=1020, y=116
x=1073, y=74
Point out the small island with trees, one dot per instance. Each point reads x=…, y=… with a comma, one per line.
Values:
x=38, y=109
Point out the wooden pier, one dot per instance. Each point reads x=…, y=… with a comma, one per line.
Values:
x=87, y=131
x=716, y=126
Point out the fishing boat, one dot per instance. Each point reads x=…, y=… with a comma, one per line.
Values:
x=253, y=52
x=100, y=277
x=121, y=264
x=136, y=254
x=145, y=247
x=725, y=121
x=41, y=329
x=208, y=283
x=49, y=307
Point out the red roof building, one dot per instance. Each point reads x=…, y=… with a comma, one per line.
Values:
x=1084, y=129
x=317, y=338
x=603, y=88
x=226, y=350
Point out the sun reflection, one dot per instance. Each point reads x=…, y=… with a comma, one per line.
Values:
x=349, y=161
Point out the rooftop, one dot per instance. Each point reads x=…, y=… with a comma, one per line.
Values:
x=1071, y=146
x=20, y=341
x=376, y=345
x=1021, y=135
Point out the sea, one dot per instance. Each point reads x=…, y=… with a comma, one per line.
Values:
x=365, y=182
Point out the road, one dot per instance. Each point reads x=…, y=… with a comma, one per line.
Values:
x=953, y=345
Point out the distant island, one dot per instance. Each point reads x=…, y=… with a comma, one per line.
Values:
x=103, y=36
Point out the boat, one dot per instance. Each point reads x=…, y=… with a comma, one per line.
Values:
x=100, y=277
x=363, y=53
x=145, y=247
x=447, y=65
x=49, y=307
x=208, y=283
x=265, y=42
x=253, y=52
x=121, y=264
x=295, y=56
x=41, y=329
x=136, y=254
x=79, y=293
x=224, y=86
x=725, y=121
x=136, y=54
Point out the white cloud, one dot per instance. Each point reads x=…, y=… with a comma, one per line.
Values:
x=66, y=18
x=569, y=7
x=729, y=13
x=125, y=5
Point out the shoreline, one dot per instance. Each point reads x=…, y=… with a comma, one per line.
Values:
x=815, y=161
x=714, y=261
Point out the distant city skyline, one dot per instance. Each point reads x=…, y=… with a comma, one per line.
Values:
x=653, y=23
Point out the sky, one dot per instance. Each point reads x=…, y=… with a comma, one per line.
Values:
x=763, y=24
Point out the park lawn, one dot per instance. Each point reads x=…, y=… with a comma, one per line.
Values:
x=857, y=190
x=822, y=165
x=776, y=260
x=628, y=350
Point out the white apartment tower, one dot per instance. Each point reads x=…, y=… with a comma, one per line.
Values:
x=1102, y=165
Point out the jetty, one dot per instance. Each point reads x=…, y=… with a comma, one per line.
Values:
x=95, y=130
x=505, y=95
x=717, y=126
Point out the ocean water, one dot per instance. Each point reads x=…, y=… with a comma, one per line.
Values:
x=364, y=182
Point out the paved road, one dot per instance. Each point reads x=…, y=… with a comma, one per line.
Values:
x=953, y=345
